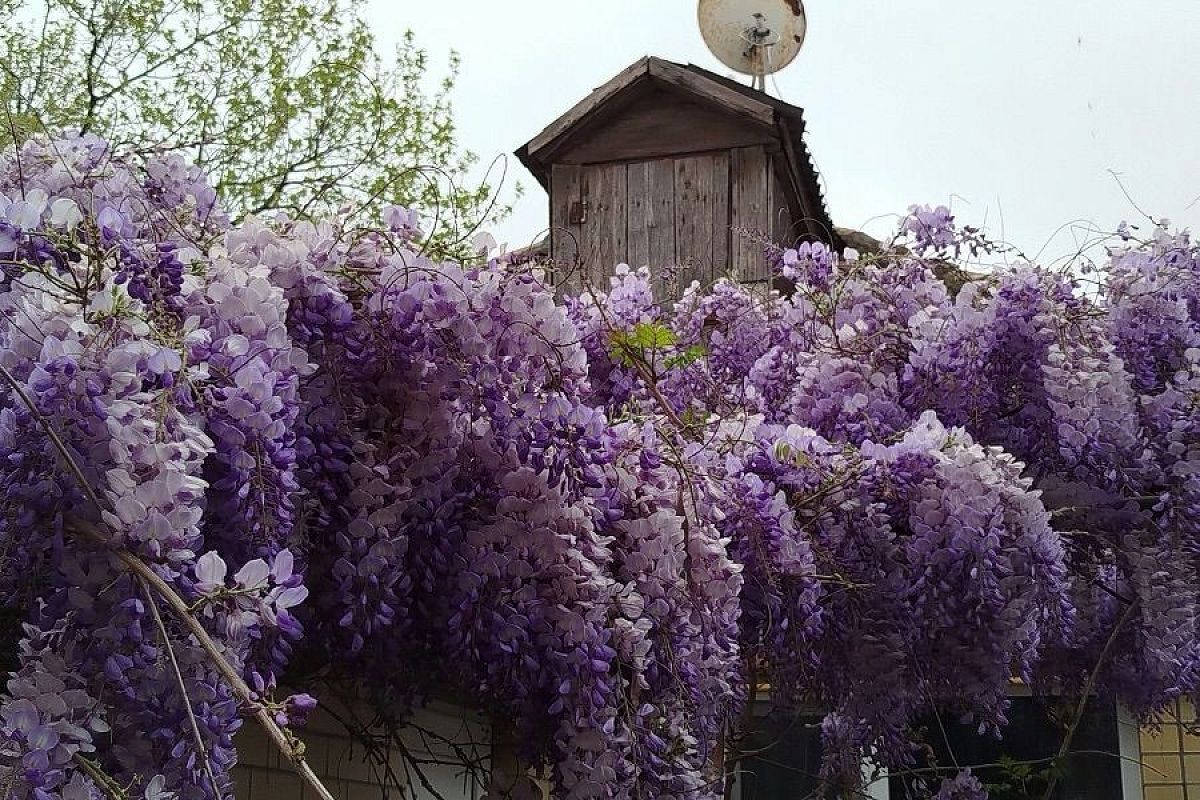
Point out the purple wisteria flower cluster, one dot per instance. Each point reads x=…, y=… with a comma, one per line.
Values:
x=602, y=519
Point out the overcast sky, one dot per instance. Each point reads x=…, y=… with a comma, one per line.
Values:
x=1015, y=113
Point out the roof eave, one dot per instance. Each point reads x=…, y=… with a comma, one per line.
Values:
x=536, y=154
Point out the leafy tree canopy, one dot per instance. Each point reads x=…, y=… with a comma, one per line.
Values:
x=285, y=104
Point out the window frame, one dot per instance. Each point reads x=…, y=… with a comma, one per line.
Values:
x=1128, y=751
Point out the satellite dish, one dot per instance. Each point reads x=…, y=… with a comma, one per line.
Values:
x=753, y=37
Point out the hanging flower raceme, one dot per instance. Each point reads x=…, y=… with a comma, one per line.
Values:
x=938, y=573
x=599, y=518
x=102, y=333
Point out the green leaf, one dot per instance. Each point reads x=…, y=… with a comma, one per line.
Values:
x=683, y=358
x=286, y=104
x=652, y=336
x=640, y=343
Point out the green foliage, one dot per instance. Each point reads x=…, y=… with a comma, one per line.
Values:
x=286, y=104
x=688, y=355
x=641, y=343
x=1021, y=780
x=649, y=336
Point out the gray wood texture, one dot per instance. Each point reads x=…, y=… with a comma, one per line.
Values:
x=691, y=191
x=590, y=103
x=669, y=161
x=606, y=192
x=594, y=111
x=566, y=238
x=721, y=220
x=734, y=101
x=693, y=219
x=675, y=215
x=637, y=179
x=786, y=229
x=660, y=228
x=662, y=124
x=750, y=205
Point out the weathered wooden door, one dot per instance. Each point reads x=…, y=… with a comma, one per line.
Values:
x=686, y=217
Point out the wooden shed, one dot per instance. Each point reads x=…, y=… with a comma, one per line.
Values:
x=671, y=166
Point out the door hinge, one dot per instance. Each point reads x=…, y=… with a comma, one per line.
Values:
x=578, y=213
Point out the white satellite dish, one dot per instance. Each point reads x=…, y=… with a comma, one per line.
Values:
x=753, y=37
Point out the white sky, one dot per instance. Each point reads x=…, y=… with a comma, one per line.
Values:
x=1012, y=112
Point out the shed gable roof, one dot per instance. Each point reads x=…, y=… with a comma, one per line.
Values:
x=625, y=103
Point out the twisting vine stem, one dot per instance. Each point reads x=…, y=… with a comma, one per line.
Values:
x=187, y=701
x=1081, y=706
x=291, y=748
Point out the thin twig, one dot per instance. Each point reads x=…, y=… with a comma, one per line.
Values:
x=54, y=437
x=1083, y=699
x=292, y=750
x=187, y=702
x=104, y=781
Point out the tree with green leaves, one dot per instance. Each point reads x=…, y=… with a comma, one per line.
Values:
x=286, y=104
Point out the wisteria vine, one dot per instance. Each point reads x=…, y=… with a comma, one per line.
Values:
x=604, y=519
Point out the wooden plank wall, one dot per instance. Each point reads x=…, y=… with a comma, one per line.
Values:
x=721, y=221
x=678, y=215
x=651, y=221
x=693, y=219
x=638, y=184
x=605, y=189
x=566, y=238
x=783, y=230
x=660, y=227
x=751, y=204
x=662, y=125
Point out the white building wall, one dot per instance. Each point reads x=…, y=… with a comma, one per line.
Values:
x=352, y=773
